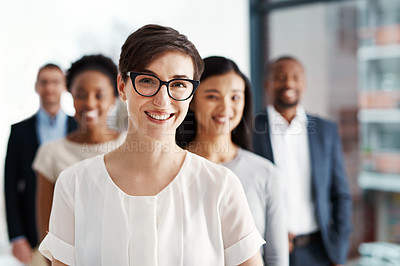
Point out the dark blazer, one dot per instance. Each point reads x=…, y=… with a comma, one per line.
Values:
x=20, y=179
x=329, y=181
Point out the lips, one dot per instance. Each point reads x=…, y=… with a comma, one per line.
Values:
x=159, y=116
x=221, y=119
x=289, y=93
x=91, y=115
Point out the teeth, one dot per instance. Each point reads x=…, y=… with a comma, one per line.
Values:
x=290, y=93
x=158, y=117
x=92, y=114
x=222, y=119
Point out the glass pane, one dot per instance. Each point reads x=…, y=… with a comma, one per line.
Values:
x=379, y=22
x=351, y=53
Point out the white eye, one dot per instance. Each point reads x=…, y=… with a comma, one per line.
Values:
x=147, y=81
x=236, y=97
x=178, y=84
x=212, y=97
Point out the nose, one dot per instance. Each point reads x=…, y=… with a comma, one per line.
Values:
x=90, y=101
x=47, y=85
x=225, y=104
x=162, y=98
x=290, y=83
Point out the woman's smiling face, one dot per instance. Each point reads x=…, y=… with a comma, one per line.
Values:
x=93, y=96
x=219, y=103
x=158, y=116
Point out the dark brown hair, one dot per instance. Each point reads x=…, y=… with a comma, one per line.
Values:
x=49, y=66
x=241, y=135
x=150, y=41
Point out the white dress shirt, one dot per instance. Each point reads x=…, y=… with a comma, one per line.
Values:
x=291, y=154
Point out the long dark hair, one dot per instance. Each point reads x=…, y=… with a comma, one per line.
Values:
x=241, y=135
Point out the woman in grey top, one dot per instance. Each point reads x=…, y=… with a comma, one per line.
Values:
x=218, y=127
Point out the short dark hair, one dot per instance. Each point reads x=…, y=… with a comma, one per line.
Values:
x=98, y=63
x=241, y=135
x=150, y=41
x=48, y=66
x=273, y=62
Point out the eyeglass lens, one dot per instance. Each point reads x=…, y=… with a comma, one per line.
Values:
x=148, y=85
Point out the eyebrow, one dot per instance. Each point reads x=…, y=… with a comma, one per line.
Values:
x=212, y=90
x=98, y=89
x=217, y=91
x=173, y=77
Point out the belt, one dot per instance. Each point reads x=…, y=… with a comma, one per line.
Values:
x=304, y=240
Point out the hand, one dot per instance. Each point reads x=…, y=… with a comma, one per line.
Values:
x=22, y=250
x=291, y=244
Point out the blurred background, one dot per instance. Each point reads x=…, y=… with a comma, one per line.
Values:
x=350, y=49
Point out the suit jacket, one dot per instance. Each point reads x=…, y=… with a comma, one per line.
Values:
x=329, y=181
x=20, y=179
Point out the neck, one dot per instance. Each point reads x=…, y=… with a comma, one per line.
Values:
x=98, y=134
x=217, y=148
x=51, y=109
x=288, y=113
x=141, y=151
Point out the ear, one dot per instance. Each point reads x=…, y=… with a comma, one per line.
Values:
x=266, y=85
x=121, y=87
x=65, y=83
x=36, y=86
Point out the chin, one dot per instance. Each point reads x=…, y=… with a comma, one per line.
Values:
x=222, y=130
x=286, y=104
x=89, y=126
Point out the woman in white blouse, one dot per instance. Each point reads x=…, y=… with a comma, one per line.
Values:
x=218, y=127
x=149, y=202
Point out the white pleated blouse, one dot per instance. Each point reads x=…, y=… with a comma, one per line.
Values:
x=200, y=218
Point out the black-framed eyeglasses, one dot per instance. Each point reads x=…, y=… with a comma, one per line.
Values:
x=148, y=85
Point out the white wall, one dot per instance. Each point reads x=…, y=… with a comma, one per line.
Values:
x=301, y=32
x=36, y=32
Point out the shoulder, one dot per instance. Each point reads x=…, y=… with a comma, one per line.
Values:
x=48, y=157
x=54, y=146
x=261, y=116
x=322, y=122
x=207, y=174
x=255, y=159
x=252, y=164
x=24, y=124
x=317, y=124
x=83, y=171
x=254, y=169
x=208, y=168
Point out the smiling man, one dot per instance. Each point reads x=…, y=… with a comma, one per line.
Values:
x=49, y=123
x=307, y=150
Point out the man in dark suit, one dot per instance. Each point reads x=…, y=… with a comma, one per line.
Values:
x=49, y=123
x=307, y=150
